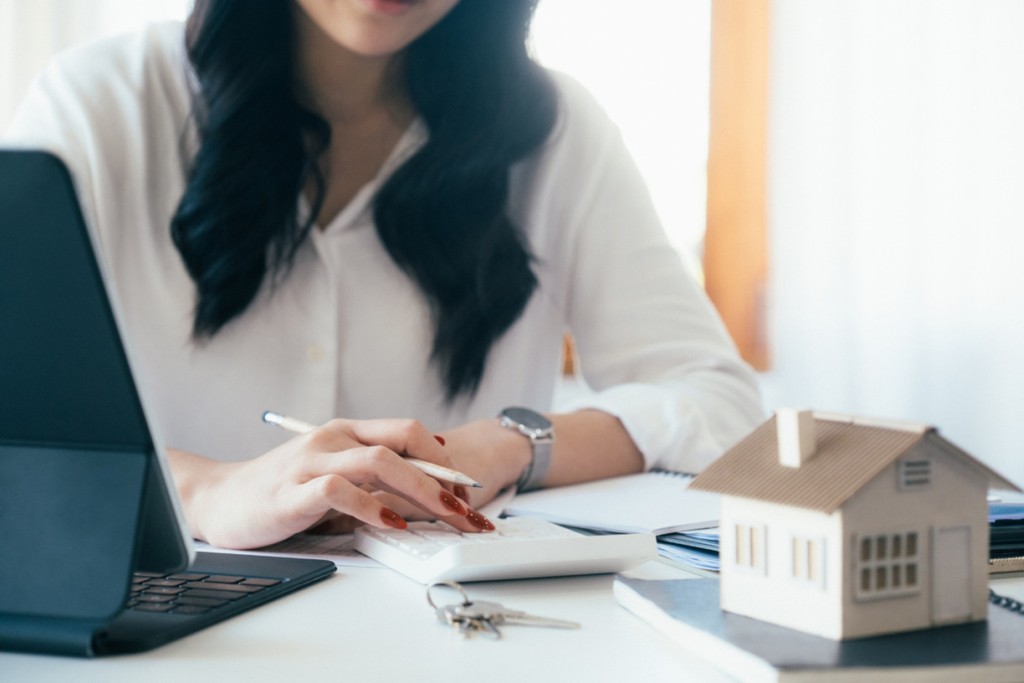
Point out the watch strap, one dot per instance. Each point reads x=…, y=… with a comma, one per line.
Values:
x=540, y=432
x=533, y=476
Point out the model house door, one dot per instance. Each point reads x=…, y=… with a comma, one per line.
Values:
x=951, y=573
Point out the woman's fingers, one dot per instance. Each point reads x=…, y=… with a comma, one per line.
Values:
x=473, y=521
x=335, y=491
x=405, y=437
x=388, y=471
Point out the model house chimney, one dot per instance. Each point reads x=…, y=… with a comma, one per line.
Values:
x=795, y=429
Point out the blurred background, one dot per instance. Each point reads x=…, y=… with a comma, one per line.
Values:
x=845, y=175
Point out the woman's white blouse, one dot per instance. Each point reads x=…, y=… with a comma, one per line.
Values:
x=347, y=333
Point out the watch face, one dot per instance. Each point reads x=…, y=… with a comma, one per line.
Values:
x=528, y=418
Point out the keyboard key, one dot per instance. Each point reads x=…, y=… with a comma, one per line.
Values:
x=223, y=595
x=198, y=601
x=230, y=587
x=161, y=590
x=224, y=579
x=261, y=582
x=191, y=593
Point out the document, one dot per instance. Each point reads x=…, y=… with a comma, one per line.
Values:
x=336, y=548
x=657, y=502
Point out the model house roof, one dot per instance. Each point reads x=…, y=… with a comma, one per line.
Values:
x=849, y=453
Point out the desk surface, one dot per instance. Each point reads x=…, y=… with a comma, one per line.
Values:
x=371, y=624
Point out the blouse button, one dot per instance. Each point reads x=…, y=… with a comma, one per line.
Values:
x=315, y=353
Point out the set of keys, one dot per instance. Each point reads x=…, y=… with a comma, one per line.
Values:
x=481, y=616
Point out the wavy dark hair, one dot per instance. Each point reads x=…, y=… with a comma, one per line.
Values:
x=442, y=216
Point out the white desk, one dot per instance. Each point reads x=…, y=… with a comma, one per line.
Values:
x=370, y=624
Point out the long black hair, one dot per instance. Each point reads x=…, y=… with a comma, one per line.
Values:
x=442, y=216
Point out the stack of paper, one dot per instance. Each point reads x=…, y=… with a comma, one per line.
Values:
x=655, y=502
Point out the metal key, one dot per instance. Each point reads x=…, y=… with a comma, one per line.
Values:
x=494, y=613
x=484, y=616
x=443, y=613
x=483, y=625
x=446, y=615
x=465, y=625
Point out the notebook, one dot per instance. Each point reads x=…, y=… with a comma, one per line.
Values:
x=754, y=651
x=89, y=517
x=657, y=502
x=1006, y=537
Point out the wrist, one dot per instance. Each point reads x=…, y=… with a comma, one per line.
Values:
x=196, y=479
x=513, y=451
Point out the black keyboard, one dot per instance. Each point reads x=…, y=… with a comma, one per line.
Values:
x=191, y=593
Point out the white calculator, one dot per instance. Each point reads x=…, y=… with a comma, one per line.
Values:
x=519, y=548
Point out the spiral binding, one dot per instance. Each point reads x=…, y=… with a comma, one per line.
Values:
x=1006, y=602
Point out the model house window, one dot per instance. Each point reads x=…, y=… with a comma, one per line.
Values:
x=808, y=560
x=887, y=565
x=750, y=540
x=915, y=473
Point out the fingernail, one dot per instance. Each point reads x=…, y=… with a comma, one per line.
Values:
x=461, y=492
x=479, y=521
x=392, y=519
x=440, y=439
x=452, y=503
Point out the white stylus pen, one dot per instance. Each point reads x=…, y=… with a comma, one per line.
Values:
x=297, y=426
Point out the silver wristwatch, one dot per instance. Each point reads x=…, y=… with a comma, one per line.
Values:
x=541, y=433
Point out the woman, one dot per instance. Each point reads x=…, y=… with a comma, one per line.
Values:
x=382, y=210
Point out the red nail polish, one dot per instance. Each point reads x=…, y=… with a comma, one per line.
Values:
x=392, y=519
x=479, y=521
x=452, y=503
x=440, y=439
x=461, y=492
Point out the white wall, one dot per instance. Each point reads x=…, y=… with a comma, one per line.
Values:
x=648, y=63
x=897, y=215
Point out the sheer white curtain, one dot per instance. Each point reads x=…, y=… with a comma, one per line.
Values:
x=897, y=215
x=32, y=31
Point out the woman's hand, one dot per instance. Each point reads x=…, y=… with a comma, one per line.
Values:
x=484, y=450
x=491, y=454
x=315, y=478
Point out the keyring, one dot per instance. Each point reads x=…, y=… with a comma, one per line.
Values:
x=451, y=584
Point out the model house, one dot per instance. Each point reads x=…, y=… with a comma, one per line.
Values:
x=844, y=527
